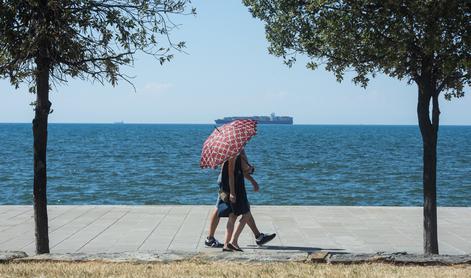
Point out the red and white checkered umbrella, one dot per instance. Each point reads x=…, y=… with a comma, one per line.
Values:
x=226, y=142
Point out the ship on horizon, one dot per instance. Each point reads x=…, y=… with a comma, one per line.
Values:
x=272, y=119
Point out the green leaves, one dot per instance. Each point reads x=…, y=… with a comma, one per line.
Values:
x=88, y=39
x=403, y=39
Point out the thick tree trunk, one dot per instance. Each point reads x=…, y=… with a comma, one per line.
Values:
x=40, y=146
x=429, y=131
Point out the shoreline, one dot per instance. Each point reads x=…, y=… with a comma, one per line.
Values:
x=255, y=205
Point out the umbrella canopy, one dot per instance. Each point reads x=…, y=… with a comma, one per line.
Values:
x=226, y=142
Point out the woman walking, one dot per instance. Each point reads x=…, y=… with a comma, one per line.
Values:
x=233, y=201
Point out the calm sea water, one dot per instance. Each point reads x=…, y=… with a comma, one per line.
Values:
x=295, y=165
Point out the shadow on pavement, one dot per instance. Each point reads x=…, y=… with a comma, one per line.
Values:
x=292, y=248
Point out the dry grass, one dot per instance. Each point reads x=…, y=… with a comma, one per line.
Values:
x=221, y=269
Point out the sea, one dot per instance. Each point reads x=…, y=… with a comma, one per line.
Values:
x=158, y=164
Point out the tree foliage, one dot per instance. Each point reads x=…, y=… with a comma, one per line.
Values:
x=87, y=39
x=401, y=38
x=44, y=41
x=427, y=42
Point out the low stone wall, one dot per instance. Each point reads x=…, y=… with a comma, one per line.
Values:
x=401, y=258
x=251, y=256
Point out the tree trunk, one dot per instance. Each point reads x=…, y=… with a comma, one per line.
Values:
x=429, y=131
x=40, y=146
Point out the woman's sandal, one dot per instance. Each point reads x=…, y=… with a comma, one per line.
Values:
x=233, y=248
x=224, y=249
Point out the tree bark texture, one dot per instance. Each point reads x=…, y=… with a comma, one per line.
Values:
x=40, y=123
x=429, y=129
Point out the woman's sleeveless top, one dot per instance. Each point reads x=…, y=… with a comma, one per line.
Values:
x=223, y=179
x=241, y=205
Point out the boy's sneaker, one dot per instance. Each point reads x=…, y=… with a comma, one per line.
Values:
x=213, y=243
x=264, y=238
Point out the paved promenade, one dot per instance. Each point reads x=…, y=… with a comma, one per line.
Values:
x=93, y=229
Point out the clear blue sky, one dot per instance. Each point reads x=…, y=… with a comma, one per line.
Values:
x=226, y=72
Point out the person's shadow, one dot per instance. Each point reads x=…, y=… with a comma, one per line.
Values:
x=293, y=248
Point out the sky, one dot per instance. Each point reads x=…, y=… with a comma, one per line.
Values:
x=227, y=71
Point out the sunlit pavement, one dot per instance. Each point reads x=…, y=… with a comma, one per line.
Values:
x=93, y=229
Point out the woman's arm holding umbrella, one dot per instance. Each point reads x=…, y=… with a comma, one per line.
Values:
x=231, y=168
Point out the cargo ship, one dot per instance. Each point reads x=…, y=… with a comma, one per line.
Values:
x=272, y=119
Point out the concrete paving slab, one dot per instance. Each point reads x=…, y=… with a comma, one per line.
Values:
x=115, y=229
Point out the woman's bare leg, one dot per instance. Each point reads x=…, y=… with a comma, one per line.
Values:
x=238, y=230
x=229, y=229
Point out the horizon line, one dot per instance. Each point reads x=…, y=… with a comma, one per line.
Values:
x=189, y=123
